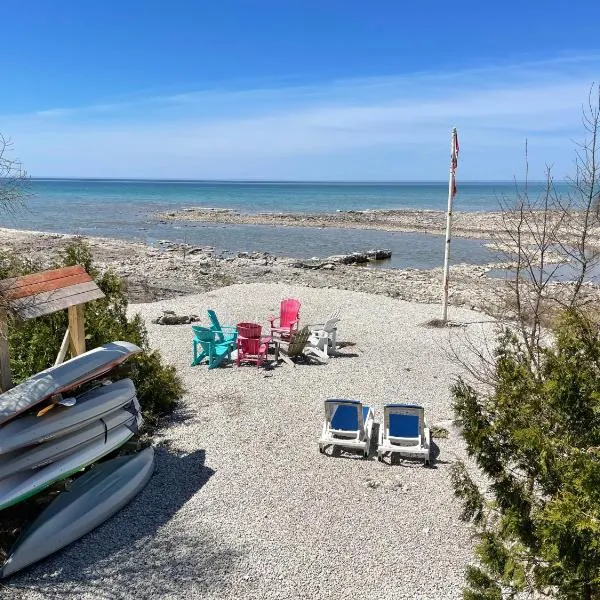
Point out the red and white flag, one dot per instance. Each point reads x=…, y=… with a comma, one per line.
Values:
x=454, y=160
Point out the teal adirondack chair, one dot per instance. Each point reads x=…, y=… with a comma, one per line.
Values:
x=223, y=333
x=212, y=349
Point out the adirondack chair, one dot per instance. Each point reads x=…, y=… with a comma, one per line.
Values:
x=223, y=333
x=297, y=347
x=212, y=349
x=323, y=335
x=289, y=315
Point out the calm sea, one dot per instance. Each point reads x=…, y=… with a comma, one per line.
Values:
x=123, y=209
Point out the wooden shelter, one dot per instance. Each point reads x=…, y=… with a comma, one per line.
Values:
x=41, y=294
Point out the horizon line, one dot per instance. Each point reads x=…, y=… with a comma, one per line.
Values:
x=288, y=181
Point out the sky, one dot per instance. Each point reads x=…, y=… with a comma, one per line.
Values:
x=296, y=89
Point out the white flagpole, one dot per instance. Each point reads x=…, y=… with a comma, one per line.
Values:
x=451, y=187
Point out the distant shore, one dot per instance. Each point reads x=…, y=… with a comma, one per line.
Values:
x=476, y=224
x=465, y=224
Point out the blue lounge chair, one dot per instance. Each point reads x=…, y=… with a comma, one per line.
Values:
x=224, y=333
x=211, y=348
x=348, y=424
x=404, y=432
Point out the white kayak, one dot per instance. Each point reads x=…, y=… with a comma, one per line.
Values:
x=23, y=485
x=88, y=502
x=31, y=429
x=63, y=377
x=34, y=457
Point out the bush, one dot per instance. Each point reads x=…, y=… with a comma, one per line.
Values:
x=35, y=343
x=536, y=437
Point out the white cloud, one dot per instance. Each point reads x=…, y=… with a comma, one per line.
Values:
x=390, y=128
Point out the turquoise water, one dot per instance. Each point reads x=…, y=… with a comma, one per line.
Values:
x=263, y=196
x=123, y=209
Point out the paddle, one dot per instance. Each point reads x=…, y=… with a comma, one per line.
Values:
x=57, y=400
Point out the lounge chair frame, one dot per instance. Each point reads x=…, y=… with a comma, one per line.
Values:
x=410, y=447
x=356, y=440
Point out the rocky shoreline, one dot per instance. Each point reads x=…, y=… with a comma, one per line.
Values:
x=171, y=269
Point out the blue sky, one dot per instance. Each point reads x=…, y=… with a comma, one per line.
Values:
x=295, y=89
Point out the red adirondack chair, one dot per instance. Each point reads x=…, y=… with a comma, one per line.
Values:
x=251, y=346
x=289, y=316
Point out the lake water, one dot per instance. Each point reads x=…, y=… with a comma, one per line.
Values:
x=123, y=209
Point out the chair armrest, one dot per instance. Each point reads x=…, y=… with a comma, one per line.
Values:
x=272, y=319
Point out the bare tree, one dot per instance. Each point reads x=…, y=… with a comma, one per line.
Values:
x=551, y=233
x=13, y=178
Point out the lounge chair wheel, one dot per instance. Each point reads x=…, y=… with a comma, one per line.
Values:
x=365, y=455
x=321, y=450
x=380, y=458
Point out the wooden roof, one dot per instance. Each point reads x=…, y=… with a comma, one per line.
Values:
x=49, y=291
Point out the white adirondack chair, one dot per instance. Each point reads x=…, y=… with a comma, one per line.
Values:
x=323, y=335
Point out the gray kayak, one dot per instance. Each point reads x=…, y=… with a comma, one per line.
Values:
x=41, y=455
x=25, y=484
x=31, y=429
x=89, y=501
x=63, y=377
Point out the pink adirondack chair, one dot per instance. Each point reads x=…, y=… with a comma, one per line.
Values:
x=251, y=346
x=289, y=316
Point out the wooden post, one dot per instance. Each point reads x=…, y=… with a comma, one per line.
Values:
x=5, y=376
x=77, y=329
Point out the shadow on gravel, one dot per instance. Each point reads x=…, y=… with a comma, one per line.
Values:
x=134, y=554
x=345, y=355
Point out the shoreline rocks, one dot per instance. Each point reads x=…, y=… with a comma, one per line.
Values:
x=165, y=271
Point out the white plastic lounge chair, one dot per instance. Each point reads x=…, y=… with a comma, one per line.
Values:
x=405, y=432
x=323, y=335
x=347, y=423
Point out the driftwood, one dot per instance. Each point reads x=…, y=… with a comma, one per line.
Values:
x=170, y=318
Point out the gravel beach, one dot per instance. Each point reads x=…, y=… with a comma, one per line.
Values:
x=242, y=505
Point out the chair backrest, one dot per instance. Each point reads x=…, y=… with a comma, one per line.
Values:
x=330, y=324
x=344, y=415
x=215, y=325
x=298, y=341
x=404, y=420
x=204, y=335
x=335, y=314
x=288, y=311
x=249, y=330
x=249, y=345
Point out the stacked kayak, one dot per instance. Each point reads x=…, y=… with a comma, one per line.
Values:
x=41, y=447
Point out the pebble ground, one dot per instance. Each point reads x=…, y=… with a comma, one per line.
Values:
x=242, y=505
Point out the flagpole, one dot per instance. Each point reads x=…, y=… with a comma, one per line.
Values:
x=451, y=192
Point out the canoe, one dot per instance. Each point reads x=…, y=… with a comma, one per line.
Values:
x=63, y=377
x=31, y=429
x=40, y=455
x=23, y=485
x=89, y=501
